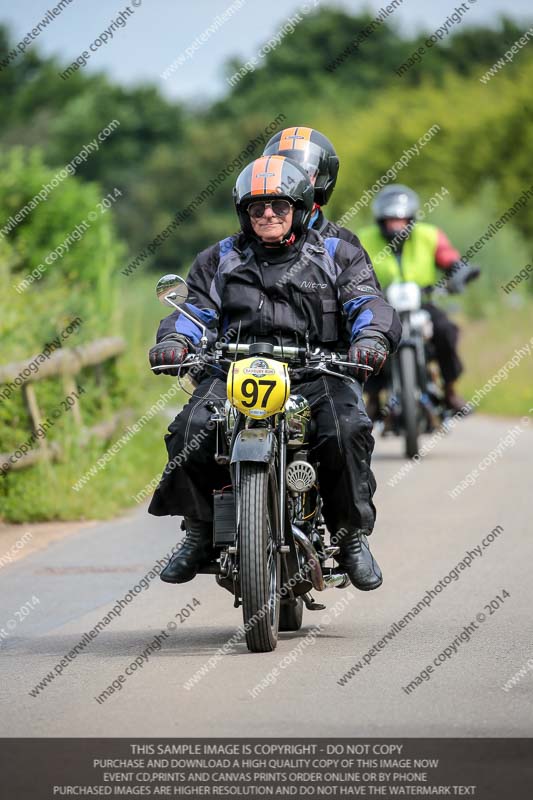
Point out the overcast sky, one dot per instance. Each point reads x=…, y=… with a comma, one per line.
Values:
x=160, y=30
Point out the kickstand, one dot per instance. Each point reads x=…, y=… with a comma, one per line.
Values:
x=310, y=603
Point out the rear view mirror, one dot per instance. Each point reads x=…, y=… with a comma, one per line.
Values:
x=171, y=288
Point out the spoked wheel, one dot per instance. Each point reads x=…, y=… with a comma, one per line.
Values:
x=260, y=567
x=291, y=615
x=409, y=399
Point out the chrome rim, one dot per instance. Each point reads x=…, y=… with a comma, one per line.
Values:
x=272, y=571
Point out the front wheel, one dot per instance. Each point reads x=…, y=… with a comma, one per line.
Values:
x=408, y=373
x=260, y=569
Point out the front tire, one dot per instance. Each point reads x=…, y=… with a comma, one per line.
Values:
x=260, y=569
x=409, y=384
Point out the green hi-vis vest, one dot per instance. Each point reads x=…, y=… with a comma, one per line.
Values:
x=417, y=259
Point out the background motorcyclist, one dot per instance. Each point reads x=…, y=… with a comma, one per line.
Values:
x=403, y=249
x=281, y=282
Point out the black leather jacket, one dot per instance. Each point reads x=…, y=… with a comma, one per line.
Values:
x=321, y=286
x=325, y=227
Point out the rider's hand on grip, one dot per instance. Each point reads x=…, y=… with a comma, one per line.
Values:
x=172, y=350
x=371, y=350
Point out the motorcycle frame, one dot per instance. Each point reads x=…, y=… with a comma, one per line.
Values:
x=265, y=443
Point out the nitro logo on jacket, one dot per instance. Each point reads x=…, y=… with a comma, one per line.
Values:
x=309, y=285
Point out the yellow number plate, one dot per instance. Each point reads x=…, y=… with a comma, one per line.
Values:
x=259, y=387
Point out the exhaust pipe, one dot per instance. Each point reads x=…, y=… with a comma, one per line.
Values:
x=332, y=579
x=317, y=578
x=338, y=580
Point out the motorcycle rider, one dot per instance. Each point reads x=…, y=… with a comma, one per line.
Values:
x=281, y=282
x=403, y=248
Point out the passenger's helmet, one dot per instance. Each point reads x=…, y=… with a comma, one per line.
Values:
x=314, y=152
x=274, y=177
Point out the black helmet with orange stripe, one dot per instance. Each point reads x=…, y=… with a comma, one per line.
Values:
x=314, y=152
x=274, y=177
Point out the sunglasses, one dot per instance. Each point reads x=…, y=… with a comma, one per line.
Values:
x=279, y=207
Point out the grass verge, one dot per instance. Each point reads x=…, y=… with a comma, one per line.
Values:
x=44, y=492
x=487, y=345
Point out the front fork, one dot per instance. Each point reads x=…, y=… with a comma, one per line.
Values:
x=230, y=557
x=410, y=338
x=282, y=478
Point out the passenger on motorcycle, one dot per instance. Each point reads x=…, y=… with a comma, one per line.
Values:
x=281, y=282
x=318, y=157
x=417, y=252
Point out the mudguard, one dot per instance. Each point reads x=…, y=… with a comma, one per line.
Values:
x=254, y=444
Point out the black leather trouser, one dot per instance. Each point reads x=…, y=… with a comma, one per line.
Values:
x=444, y=341
x=341, y=441
x=442, y=348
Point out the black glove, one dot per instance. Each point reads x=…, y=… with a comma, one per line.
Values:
x=461, y=274
x=370, y=349
x=171, y=350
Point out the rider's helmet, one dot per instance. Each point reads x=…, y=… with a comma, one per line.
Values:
x=276, y=177
x=314, y=152
x=395, y=202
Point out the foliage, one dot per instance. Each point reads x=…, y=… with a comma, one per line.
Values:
x=162, y=155
x=488, y=136
x=77, y=284
x=500, y=259
x=486, y=346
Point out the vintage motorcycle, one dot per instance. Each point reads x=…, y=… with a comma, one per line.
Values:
x=268, y=531
x=415, y=401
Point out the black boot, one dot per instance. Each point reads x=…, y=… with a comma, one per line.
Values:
x=357, y=560
x=194, y=551
x=454, y=401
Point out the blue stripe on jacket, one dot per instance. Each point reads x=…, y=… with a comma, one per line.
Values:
x=187, y=328
x=363, y=319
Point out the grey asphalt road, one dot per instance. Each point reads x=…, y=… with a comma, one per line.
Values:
x=421, y=535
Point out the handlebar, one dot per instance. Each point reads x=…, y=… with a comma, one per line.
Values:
x=288, y=352
x=317, y=360
x=279, y=351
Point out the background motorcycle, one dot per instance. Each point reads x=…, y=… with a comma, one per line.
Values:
x=268, y=530
x=415, y=402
